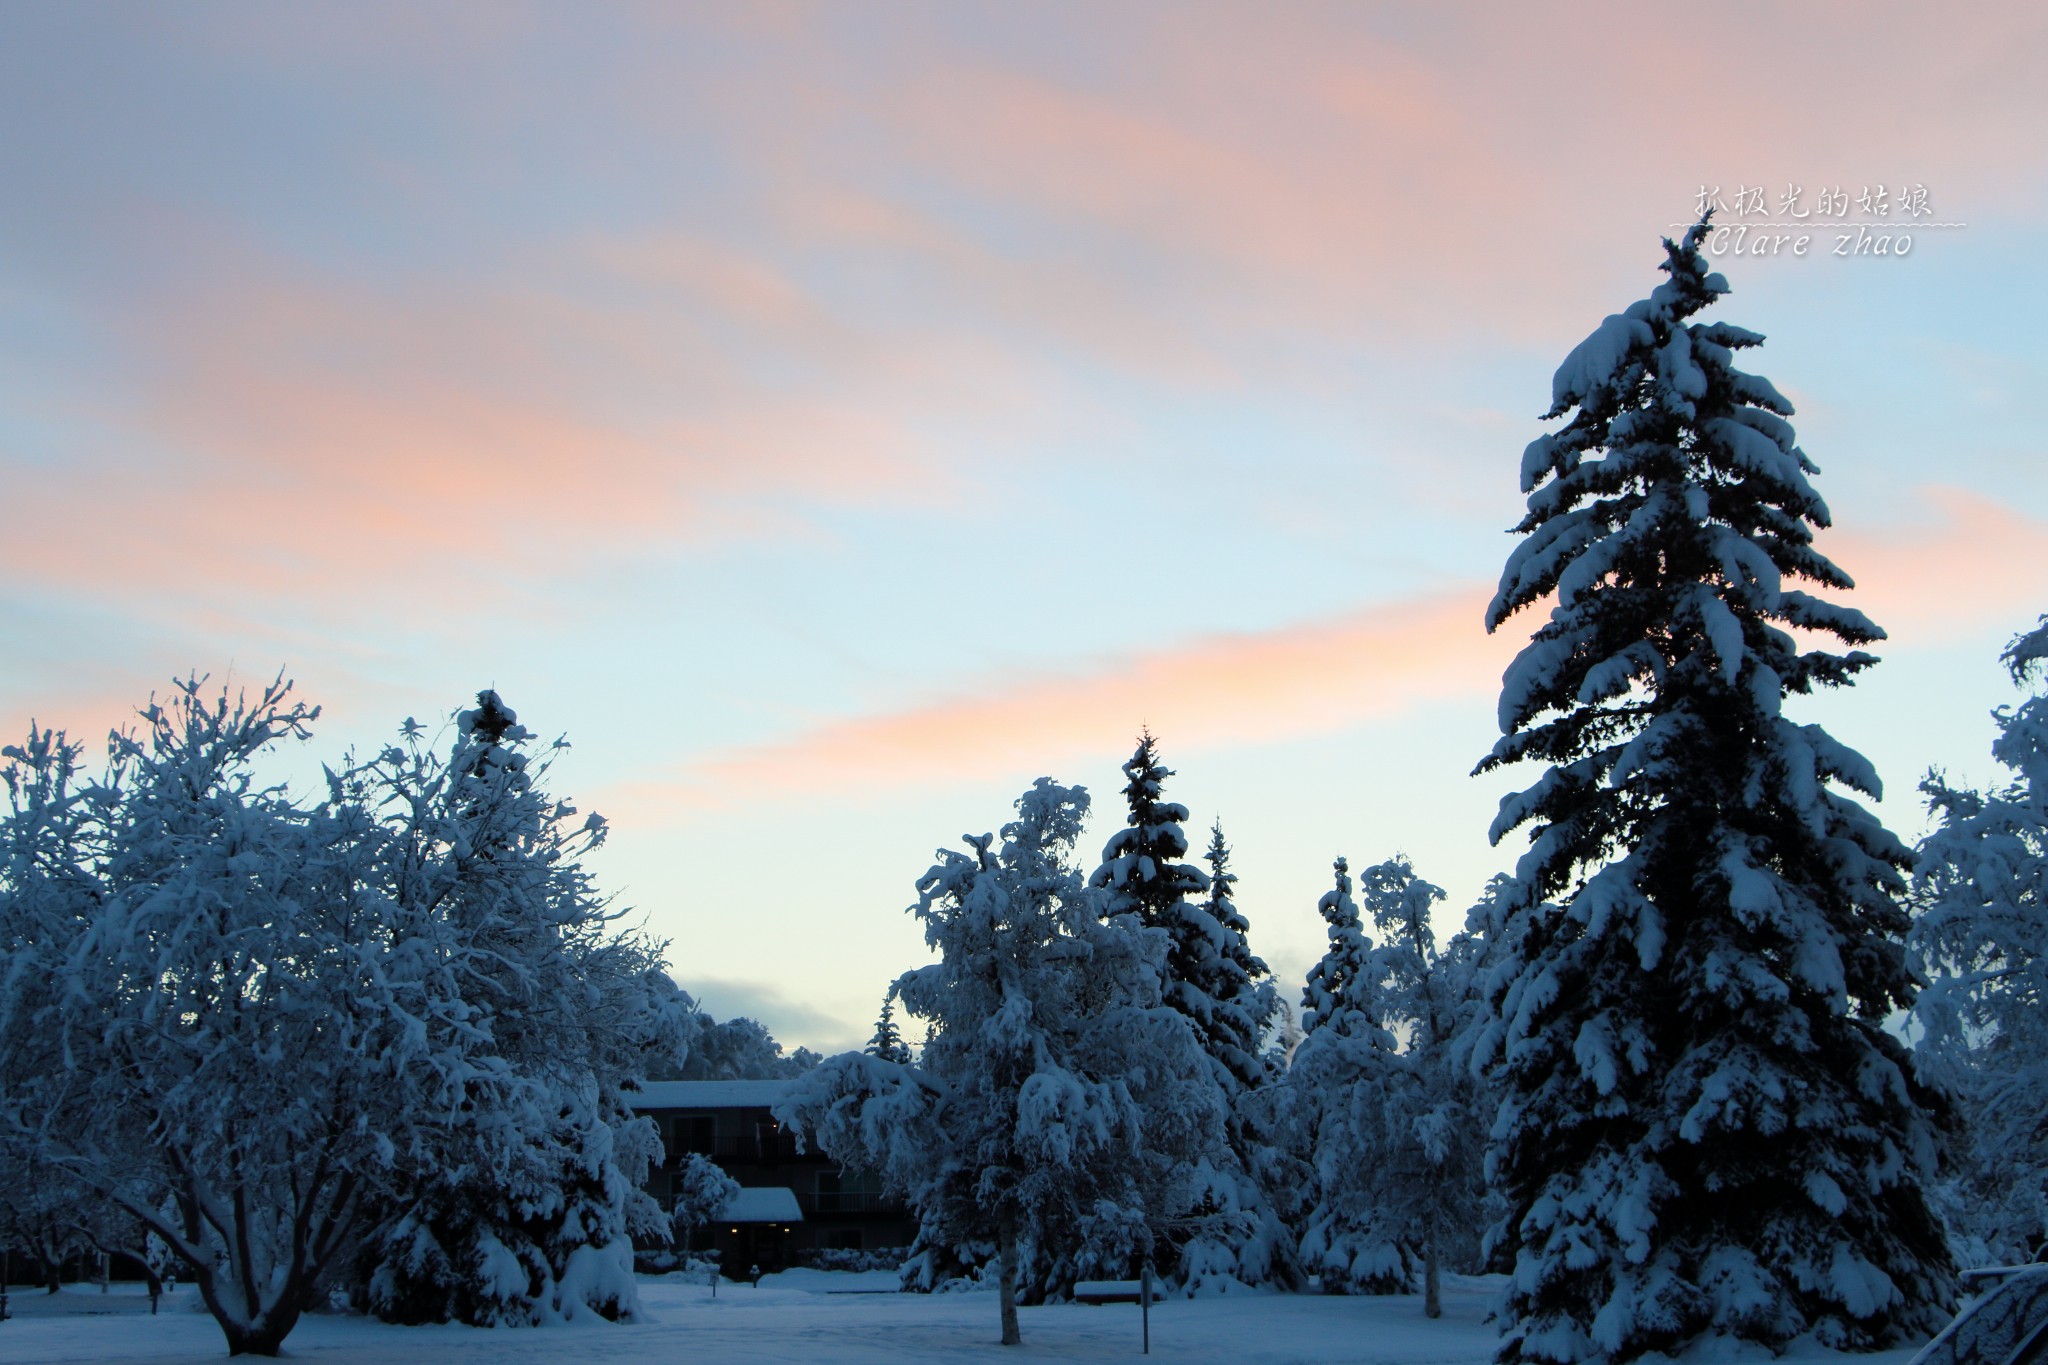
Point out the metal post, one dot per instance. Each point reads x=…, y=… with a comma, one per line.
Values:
x=5, y=1268
x=1145, y=1305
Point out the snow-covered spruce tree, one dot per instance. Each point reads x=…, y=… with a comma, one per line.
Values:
x=526, y=1212
x=1056, y=1103
x=1981, y=936
x=888, y=1041
x=1705, y=1128
x=1261, y=1250
x=1485, y=957
x=1211, y=978
x=1432, y=1133
x=1225, y=981
x=1336, y=1103
x=1337, y=981
x=1142, y=870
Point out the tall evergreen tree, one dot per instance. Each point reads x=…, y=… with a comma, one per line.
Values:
x=1230, y=999
x=1432, y=1134
x=1230, y=1236
x=1336, y=1100
x=1336, y=984
x=1982, y=937
x=1227, y=984
x=1705, y=1129
x=1142, y=867
x=888, y=1041
x=533, y=1220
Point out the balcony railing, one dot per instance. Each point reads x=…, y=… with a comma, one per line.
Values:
x=749, y=1149
x=849, y=1201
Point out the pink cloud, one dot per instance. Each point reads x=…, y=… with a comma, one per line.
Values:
x=1970, y=563
x=1241, y=688
x=1468, y=168
x=296, y=433
x=1927, y=581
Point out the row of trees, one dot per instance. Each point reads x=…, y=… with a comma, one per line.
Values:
x=1657, y=1078
x=1109, y=1078
x=1109, y=1081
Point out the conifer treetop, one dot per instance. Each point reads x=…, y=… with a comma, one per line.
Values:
x=1141, y=865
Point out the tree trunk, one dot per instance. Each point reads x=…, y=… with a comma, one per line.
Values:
x=263, y=1337
x=264, y=1331
x=1432, y=1277
x=1006, y=1291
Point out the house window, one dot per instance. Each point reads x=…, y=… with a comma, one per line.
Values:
x=848, y=1192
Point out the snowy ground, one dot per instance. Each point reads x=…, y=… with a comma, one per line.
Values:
x=808, y=1317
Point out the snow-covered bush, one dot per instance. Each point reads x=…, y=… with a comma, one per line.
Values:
x=853, y=1258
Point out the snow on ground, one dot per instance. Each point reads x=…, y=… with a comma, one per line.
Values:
x=814, y=1318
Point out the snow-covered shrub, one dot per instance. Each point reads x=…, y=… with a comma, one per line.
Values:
x=853, y=1258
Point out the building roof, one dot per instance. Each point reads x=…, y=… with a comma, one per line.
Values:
x=761, y=1204
x=706, y=1094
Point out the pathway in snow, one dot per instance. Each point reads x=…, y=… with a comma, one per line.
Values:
x=791, y=1320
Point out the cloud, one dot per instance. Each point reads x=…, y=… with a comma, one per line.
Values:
x=793, y=1022
x=1222, y=689
x=1944, y=576
x=1927, y=580
x=298, y=438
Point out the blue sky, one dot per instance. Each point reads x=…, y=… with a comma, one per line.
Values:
x=834, y=418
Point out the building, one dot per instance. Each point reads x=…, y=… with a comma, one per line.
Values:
x=790, y=1201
